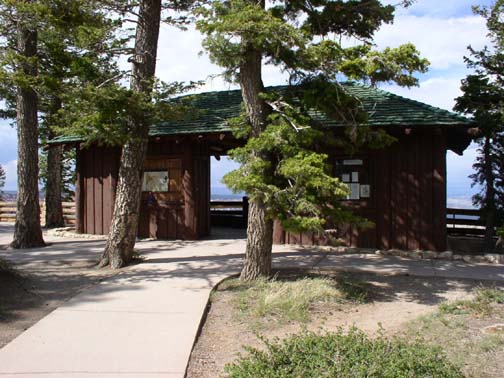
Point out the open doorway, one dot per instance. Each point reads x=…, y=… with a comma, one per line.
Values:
x=228, y=210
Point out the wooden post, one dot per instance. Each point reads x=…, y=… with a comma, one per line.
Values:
x=79, y=198
x=278, y=233
x=188, y=191
x=245, y=209
x=439, y=191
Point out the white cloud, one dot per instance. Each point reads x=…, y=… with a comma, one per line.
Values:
x=459, y=165
x=10, y=168
x=180, y=58
x=219, y=168
x=460, y=203
x=441, y=8
x=458, y=170
x=437, y=91
x=443, y=41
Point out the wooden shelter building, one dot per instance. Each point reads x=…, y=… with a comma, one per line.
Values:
x=401, y=188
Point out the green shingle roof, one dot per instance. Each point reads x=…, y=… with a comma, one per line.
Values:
x=383, y=108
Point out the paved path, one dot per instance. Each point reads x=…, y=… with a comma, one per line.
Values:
x=143, y=322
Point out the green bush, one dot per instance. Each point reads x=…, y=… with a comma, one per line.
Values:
x=344, y=355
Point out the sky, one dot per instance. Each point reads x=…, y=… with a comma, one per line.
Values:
x=440, y=29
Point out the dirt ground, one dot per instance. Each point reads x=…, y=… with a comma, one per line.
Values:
x=395, y=301
x=37, y=289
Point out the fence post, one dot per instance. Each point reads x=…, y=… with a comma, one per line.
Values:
x=245, y=209
x=42, y=212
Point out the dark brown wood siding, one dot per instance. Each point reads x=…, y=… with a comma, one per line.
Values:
x=408, y=199
x=407, y=203
x=97, y=171
x=165, y=219
x=181, y=213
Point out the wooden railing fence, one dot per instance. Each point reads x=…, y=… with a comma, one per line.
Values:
x=234, y=214
x=464, y=222
x=8, y=212
x=229, y=213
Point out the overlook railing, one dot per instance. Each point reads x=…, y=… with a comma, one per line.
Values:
x=464, y=222
x=234, y=214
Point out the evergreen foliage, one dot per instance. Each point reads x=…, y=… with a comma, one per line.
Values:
x=483, y=98
x=98, y=108
x=99, y=114
x=78, y=43
x=67, y=173
x=132, y=122
x=285, y=165
x=19, y=66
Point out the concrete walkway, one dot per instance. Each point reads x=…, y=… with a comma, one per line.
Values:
x=143, y=322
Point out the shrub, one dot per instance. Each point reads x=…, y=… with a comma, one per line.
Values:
x=342, y=355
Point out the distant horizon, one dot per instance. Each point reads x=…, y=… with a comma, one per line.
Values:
x=455, y=199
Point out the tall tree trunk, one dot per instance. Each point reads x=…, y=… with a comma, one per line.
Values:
x=27, y=230
x=54, y=208
x=490, y=199
x=119, y=248
x=260, y=226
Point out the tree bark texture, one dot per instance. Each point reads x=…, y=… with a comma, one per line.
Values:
x=53, y=188
x=490, y=208
x=124, y=228
x=54, y=209
x=27, y=229
x=260, y=226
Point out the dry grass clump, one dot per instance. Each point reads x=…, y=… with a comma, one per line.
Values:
x=291, y=299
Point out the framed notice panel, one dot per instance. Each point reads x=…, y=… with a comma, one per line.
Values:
x=155, y=181
x=355, y=174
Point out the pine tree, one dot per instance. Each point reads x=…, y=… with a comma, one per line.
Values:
x=284, y=173
x=110, y=114
x=119, y=248
x=76, y=44
x=19, y=68
x=483, y=98
x=70, y=58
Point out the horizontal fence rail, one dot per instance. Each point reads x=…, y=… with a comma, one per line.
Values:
x=8, y=212
x=232, y=214
x=464, y=222
x=235, y=213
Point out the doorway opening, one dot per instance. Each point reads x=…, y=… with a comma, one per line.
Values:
x=228, y=210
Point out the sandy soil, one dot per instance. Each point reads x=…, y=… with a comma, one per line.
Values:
x=395, y=301
x=39, y=289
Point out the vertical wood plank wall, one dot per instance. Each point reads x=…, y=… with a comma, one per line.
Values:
x=165, y=220
x=407, y=204
x=181, y=213
x=98, y=169
x=408, y=201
